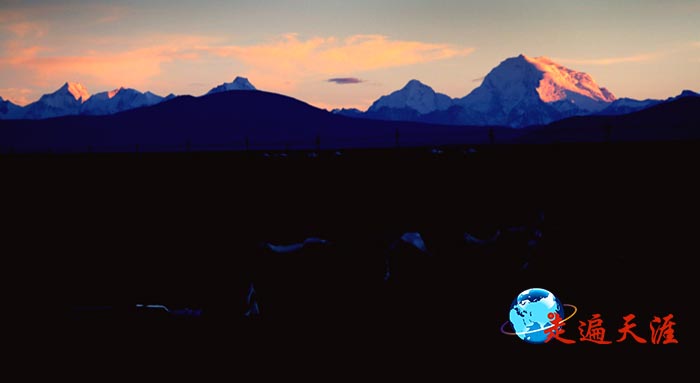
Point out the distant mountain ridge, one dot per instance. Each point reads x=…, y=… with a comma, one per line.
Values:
x=239, y=83
x=415, y=95
x=258, y=120
x=67, y=100
x=234, y=120
x=520, y=91
x=629, y=105
x=118, y=100
x=676, y=119
x=74, y=99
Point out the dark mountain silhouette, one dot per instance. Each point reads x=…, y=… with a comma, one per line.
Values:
x=240, y=120
x=629, y=105
x=128, y=229
x=227, y=120
x=669, y=121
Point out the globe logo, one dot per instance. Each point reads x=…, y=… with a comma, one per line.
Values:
x=533, y=315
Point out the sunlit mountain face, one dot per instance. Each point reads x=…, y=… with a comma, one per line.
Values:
x=519, y=92
x=561, y=83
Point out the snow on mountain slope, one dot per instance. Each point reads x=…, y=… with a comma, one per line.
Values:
x=78, y=91
x=74, y=99
x=523, y=91
x=67, y=100
x=560, y=83
x=414, y=95
x=118, y=100
x=239, y=83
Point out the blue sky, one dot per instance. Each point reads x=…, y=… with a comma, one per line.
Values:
x=639, y=49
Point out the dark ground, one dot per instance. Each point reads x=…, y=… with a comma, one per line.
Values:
x=619, y=237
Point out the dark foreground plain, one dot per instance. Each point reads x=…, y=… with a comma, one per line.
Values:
x=618, y=226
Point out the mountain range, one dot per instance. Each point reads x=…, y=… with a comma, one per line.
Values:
x=259, y=120
x=521, y=91
x=233, y=120
x=539, y=98
x=74, y=99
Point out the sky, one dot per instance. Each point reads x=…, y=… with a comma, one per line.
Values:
x=335, y=54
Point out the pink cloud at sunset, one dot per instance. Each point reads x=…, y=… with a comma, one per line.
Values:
x=187, y=47
x=26, y=29
x=277, y=65
x=282, y=63
x=19, y=96
x=133, y=67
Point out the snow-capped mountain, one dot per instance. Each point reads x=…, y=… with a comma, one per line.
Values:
x=562, y=84
x=239, y=83
x=520, y=91
x=118, y=100
x=415, y=96
x=67, y=100
x=523, y=91
x=74, y=99
x=227, y=117
x=9, y=110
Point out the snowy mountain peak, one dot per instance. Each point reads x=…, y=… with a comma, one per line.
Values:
x=242, y=83
x=118, y=100
x=114, y=92
x=77, y=90
x=524, y=91
x=239, y=83
x=560, y=83
x=67, y=100
x=414, y=95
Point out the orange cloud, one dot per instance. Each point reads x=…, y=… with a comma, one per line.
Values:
x=611, y=60
x=277, y=65
x=132, y=67
x=26, y=29
x=17, y=54
x=283, y=62
x=19, y=96
x=9, y=15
